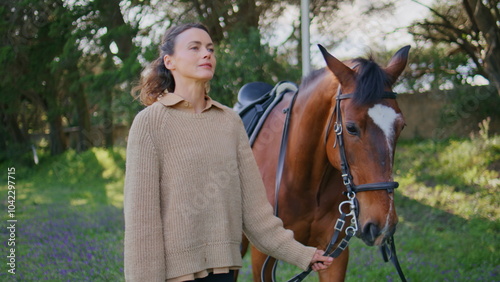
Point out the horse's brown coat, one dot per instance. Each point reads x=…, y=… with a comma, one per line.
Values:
x=311, y=187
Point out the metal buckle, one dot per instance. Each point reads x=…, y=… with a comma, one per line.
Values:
x=344, y=203
x=347, y=181
x=337, y=127
x=339, y=225
x=343, y=244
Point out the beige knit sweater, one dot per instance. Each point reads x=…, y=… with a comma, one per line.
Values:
x=192, y=187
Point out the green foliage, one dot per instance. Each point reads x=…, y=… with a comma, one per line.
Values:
x=91, y=177
x=436, y=67
x=467, y=27
x=242, y=59
x=60, y=65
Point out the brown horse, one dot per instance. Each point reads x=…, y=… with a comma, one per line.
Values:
x=312, y=186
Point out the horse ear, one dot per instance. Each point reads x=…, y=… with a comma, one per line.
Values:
x=343, y=73
x=397, y=64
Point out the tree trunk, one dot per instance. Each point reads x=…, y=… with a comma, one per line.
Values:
x=83, y=115
x=51, y=102
x=113, y=20
x=108, y=126
x=486, y=22
x=492, y=66
x=11, y=133
x=58, y=141
x=75, y=90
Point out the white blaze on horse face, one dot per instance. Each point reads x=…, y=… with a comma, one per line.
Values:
x=384, y=117
x=388, y=218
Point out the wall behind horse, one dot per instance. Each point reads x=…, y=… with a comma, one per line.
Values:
x=421, y=112
x=444, y=114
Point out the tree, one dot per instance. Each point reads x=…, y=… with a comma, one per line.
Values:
x=71, y=64
x=58, y=64
x=121, y=34
x=241, y=58
x=433, y=68
x=32, y=38
x=468, y=26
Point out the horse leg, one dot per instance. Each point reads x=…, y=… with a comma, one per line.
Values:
x=243, y=250
x=336, y=272
x=244, y=245
x=258, y=260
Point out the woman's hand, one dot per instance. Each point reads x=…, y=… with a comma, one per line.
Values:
x=320, y=262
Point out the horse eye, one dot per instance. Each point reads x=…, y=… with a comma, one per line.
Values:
x=352, y=129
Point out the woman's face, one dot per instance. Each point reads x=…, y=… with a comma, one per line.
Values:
x=193, y=57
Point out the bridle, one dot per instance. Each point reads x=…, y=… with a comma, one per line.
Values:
x=344, y=166
x=388, y=249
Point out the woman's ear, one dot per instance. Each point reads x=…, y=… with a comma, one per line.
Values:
x=168, y=61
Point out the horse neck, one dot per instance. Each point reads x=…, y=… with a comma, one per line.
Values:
x=307, y=149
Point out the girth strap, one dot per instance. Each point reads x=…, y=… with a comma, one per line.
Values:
x=279, y=173
x=283, y=147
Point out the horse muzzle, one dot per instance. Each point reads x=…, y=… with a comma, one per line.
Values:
x=372, y=234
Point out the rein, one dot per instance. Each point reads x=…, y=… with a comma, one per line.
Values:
x=388, y=249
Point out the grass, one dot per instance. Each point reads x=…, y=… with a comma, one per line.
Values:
x=70, y=218
x=70, y=222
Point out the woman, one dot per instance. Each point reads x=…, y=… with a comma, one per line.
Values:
x=192, y=185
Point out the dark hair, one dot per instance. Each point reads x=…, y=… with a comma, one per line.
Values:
x=371, y=81
x=156, y=77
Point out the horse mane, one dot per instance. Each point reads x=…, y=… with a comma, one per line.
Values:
x=371, y=80
x=311, y=77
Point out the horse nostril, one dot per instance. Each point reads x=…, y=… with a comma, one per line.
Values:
x=371, y=232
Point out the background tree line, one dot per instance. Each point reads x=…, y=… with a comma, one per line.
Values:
x=72, y=64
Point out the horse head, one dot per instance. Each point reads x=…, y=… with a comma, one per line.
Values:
x=370, y=122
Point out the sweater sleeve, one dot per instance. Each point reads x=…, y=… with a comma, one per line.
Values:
x=264, y=230
x=144, y=256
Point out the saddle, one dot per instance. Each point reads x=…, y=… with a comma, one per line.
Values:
x=256, y=100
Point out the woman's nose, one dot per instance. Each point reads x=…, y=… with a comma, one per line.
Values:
x=207, y=54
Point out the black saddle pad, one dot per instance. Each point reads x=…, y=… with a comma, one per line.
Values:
x=255, y=102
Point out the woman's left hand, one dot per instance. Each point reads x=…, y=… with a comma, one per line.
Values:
x=320, y=262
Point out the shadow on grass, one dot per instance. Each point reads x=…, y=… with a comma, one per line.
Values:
x=433, y=245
